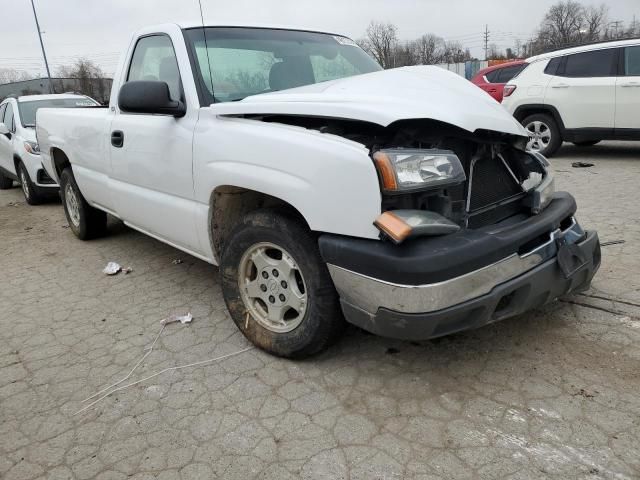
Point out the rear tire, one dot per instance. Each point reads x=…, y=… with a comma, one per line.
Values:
x=85, y=221
x=544, y=134
x=5, y=182
x=277, y=287
x=30, y=191
x=588, y=143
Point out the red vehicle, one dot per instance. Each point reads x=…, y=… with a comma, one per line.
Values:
x=493, y=79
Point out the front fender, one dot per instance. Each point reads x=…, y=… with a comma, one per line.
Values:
x=331, y=181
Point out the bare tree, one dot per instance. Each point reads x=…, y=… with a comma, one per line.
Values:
x=10, y=75
x=563, y=22
x=595, y=22
x=455, y=53
x=88, y=75
x=429, y=49
x=381, y=43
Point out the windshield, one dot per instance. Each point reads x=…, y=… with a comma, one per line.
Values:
x=234, y=63
x=28, y=109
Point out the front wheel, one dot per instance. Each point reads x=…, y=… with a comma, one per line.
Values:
x=31, y=194
x=544, y=134
x=85, y=221
x=277, y=287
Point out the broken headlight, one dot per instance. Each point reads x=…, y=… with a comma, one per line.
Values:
x=402, y=170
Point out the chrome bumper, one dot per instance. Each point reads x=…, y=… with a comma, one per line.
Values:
x=370, y=294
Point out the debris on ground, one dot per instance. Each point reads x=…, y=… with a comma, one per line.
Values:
x=13, y=204
x=177, y=261
x=583, y=393
x=112, y=268
x=581, y=165
x=612, y=242
x=116, y=387
x=392, y=351
x=65, y=226
x=177, y=318
x=127, y=270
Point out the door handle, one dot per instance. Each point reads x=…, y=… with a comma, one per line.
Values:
x=630, y=84
x=117, y=138
x=560, y=85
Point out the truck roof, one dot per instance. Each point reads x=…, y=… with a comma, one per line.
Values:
x=239, y=24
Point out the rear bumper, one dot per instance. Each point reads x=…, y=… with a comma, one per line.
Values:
x=495, y=291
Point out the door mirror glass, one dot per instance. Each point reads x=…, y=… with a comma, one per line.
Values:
x=3, y=129
x=151, y=97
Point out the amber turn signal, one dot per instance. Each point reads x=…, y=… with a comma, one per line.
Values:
x=387, y=174
x=393, y=226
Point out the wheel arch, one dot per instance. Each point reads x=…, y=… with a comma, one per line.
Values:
x=524, y=111
x=60, y=161
x=229, y=203
x=16, y=161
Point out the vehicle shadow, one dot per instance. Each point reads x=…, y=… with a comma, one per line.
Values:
x=601, y=151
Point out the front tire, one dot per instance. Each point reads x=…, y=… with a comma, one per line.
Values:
x=277, y=287
x=30, y=191
x=5, y=182
x=85, y=221
x=544, y=134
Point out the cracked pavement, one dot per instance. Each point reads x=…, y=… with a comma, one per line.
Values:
x=550, y=394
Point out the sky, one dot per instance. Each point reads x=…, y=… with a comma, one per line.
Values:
x=101, y=30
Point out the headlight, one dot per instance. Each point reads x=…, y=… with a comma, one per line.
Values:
x=406, y=170
x=32, y=147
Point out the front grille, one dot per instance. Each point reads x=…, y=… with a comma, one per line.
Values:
x=494, y=215
x=490, y=183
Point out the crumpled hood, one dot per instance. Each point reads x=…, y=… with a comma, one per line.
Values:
x=385, y=97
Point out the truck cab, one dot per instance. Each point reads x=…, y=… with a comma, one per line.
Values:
x=324, y=188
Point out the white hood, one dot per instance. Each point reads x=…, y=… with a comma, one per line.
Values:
x=385, y=97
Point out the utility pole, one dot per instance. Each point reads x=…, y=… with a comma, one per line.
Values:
x=486, y=41
x=44, y=55
x=616, y=24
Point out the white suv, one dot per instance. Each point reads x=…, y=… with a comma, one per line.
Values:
x=19, y=153
x=580, y=95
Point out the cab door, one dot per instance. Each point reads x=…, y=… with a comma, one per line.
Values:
x=628, y=94
x=151, y=155
x=584, y=90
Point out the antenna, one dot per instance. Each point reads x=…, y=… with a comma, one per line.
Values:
x=206, y=47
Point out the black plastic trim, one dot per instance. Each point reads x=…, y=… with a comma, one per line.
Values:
x=429, y=260
x=530, y=290
x=525, y=110
x=7, y=173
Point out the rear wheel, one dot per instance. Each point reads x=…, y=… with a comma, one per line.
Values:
x=544, y=134
x=588, y=143
x=31, y=193
x=277, y=287
x=85, y=221
x=5, y=182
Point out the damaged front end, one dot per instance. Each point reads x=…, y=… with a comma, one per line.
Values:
x=470, y=180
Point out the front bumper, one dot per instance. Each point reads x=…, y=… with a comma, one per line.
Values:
x=501, y=289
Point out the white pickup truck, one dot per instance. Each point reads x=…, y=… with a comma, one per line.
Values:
x=324, y=187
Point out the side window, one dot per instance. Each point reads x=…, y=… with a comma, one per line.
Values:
x=8, y=118
x=552, y=66
x=493, y=76
x=597, y=63
x=2, y=108
x=155, y=59
x=508, y=73
x=632, y=61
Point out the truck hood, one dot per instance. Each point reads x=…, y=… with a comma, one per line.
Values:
x=386, y=97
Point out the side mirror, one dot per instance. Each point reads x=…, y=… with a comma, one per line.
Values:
x=149, y=97
x=4, y=130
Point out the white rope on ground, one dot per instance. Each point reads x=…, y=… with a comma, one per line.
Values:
x=169, y=369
